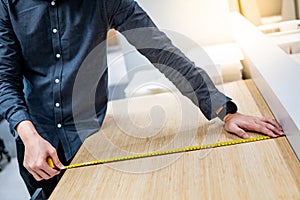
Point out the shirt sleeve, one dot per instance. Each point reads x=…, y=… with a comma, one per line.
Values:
x=130, y=19
x=12, y=104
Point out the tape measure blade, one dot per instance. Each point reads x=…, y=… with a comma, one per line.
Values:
x=166, y=152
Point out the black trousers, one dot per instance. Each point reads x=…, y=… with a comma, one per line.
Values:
x=30, y=182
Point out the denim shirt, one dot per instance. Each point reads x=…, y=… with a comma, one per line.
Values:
x=45, y=76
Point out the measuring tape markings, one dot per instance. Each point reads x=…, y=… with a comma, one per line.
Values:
x=159, y=153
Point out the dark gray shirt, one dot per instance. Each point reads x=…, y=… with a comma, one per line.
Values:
x=53, y=64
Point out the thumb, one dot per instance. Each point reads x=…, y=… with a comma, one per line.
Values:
x=56, y=161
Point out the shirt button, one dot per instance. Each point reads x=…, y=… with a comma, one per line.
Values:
x=57, y=80
x=52, y=3
x=57, y=105
x=59, y=125
x=54, y=30
x=57, y=55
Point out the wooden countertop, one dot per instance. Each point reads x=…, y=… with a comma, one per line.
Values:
x=261, y=170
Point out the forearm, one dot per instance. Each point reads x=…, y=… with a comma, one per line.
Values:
x=26, y=131
x=192, y=81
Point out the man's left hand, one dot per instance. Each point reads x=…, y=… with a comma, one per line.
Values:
x=238, y=124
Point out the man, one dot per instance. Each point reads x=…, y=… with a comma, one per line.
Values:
x=43, y=45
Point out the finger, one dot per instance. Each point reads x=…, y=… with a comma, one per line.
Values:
x=241, y=133
x=35, y=175
x=258, y=127
x=237, y=131
x=43, y=174
x=273, y=122
x=55, y=160
x=32, y=171
x=38, y=174
x=42, y=168
x=271, y=127
x=49, y=170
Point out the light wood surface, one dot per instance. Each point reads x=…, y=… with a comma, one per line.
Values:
x=261, y=170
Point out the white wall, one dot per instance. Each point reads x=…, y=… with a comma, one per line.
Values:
x=204, y=21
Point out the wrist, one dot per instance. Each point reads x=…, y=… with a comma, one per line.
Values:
x=229, y=116
x=227, y=109
x=26, y=131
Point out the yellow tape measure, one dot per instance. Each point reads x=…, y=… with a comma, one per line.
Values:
x=159, y=153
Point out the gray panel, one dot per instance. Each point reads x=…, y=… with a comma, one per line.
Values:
x=276, y=75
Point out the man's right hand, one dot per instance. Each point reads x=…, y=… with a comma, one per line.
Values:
x=37, y=150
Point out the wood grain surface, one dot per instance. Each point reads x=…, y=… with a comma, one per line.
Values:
x=260, y=170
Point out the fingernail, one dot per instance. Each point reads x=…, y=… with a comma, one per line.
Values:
x=245, y=136
x=60, y=166
x=281, y=133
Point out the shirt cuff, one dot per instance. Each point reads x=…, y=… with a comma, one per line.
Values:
x=18, y=117
x=217, y=101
